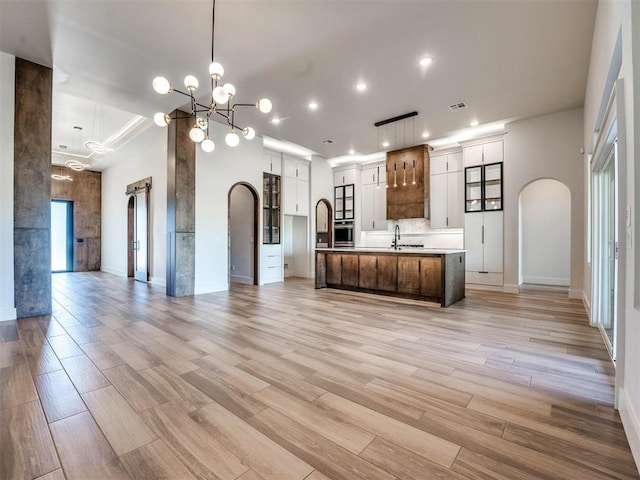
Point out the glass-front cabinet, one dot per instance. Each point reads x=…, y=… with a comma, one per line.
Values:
x=270, y=208
x=344, y=202
x=483, y=188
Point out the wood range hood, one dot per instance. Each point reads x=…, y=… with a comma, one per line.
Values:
x=407, y=173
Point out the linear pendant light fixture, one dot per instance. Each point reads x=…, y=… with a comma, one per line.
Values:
x=220, y=95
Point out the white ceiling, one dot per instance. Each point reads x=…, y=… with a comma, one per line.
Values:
x=506, y=59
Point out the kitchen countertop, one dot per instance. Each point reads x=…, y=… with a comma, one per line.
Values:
x=410, y=250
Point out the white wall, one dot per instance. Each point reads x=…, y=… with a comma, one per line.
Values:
x=7, y=98
x=321, y=187
x=545, y=233
x=144, y=156
x=614, y=17
x=241, y=235
x=295, y=246
x=547, y=146
x=216, y=173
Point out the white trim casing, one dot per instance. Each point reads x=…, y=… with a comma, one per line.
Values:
x=159, y=281
x=8, y=314
x=631, y=424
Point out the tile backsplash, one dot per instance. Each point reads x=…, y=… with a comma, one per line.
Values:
x=414, y=231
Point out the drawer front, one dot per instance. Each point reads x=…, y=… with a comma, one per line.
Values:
x=484, y=278
x=271, y=274
x=271, y=261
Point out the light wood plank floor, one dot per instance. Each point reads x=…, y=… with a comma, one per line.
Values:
x=288, y=382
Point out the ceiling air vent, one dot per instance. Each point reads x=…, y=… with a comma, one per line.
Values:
x=454, y=107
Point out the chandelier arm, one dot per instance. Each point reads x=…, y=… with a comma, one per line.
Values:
x=181, y=92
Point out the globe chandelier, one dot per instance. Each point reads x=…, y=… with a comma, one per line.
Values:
x=221, y=96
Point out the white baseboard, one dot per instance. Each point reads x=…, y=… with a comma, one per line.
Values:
x=586, y=303
x=159, y=281
x=241, y=279
x=562, y=282
x=8, y=314
x=631, y=424
x=575, y=293
x=113, y=271
x=511, y=288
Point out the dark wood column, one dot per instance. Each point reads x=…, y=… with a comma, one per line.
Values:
x=181, y=208
x=32, y=189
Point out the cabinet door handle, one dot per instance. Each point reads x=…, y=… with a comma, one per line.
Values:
x=296, y=172
x=483, y=234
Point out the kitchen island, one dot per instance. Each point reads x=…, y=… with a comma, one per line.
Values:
x=421, y=273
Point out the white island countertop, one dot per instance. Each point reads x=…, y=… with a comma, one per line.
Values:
x=403, y=250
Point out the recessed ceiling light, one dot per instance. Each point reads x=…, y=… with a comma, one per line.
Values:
x=352, y=152
x=474, y=123
x=361, y=86
x=275, y=120
x=313, y=105
x=385, y=144
x=424, y=61
x=425, y=134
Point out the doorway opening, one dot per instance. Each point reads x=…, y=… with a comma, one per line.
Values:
x=605, y=248
x=61, y=236
x=324, y=215
x=138, y=234
x=545, y=234
x=243, y=234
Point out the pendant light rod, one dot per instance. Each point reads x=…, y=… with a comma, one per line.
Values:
x=213, y=29
x=395, y=119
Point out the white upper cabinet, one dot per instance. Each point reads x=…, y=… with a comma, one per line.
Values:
x=374, y=207
x=482, y=154
x=295, y=186
x=272, y=162
x=374, y=175
x=344, y=177
x=296, y=168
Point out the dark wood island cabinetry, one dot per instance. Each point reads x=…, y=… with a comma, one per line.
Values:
x=435, y=275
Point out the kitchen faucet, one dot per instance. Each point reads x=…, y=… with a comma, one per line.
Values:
x=396, y=237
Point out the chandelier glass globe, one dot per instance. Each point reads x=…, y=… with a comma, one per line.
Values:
x=196, y=134
x=232, y=139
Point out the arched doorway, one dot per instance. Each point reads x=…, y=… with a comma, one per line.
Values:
x=243, y=234
x=545, y=233
x=324, y=215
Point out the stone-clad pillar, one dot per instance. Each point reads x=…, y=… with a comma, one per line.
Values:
x=181, y=207
x=32, y=189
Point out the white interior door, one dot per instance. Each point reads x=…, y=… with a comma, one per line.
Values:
x=141, y=238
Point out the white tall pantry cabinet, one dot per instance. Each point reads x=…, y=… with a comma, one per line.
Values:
x=446, y=190
x=484, y=228
x=374, y=198
x=295, y=186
